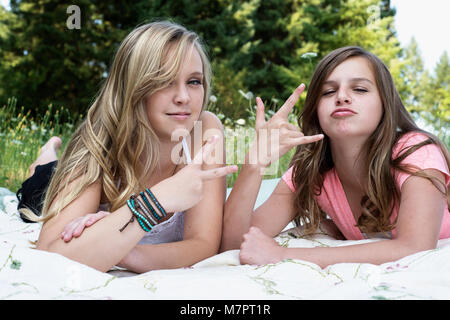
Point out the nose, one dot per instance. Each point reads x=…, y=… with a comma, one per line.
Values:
x=181, y=96
x=343, y=98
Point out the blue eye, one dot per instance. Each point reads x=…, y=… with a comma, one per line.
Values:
x=195, y=82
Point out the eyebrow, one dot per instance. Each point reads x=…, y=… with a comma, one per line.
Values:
x=196, y=73
x=351, y=80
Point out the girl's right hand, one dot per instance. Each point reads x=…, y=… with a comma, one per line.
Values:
x=277, y=136
x=185, y=189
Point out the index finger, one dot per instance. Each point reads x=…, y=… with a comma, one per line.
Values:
x=218, y=172
x=287, y=107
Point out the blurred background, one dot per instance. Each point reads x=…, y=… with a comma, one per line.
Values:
x=49, y=74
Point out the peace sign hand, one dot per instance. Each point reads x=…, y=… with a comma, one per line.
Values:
x=277, y=136
x=185, y=189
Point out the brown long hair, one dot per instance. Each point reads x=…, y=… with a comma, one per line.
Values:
x=311, y=161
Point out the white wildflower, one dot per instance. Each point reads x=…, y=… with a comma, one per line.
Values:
x=241, y=122
x=213, y=98
x=309, y=55
x=248, y=95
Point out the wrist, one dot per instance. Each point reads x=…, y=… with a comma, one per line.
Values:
x=254, y=162
x=163, y=197
x=283, y=253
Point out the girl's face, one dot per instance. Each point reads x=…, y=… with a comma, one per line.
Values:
x=350, y=104
x=178, y=105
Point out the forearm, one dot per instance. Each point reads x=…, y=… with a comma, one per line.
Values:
x=238, y=208
x=375, y=252
x=102, y=245
x=172, y=255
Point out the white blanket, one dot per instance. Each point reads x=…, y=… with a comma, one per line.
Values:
x=26, y=273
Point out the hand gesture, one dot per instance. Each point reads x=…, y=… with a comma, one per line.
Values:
x=185, y=189
x=277, y=136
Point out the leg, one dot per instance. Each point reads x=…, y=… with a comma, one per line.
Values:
x=48, y=153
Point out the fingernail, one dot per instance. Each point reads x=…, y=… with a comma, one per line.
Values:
x=301, y=86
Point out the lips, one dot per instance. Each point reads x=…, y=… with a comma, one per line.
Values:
x=179, y=115
x=342, y=112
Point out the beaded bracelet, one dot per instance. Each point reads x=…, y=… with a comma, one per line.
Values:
x=158, y=205
x=145, y=211
x=142, y=220
x=157, y=216
x=144, y=223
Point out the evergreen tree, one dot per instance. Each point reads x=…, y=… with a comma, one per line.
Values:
x=57, y=65
x=436, y=98
x=286, y=39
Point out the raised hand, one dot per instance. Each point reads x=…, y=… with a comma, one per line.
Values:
x=185, y=189
x=277, y=136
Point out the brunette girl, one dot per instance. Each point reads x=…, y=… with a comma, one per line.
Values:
x=362, y=168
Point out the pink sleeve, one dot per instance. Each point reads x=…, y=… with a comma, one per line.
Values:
x=287, y=177
x=429, y=156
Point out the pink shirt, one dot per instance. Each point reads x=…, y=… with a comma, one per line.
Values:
x=333, y=200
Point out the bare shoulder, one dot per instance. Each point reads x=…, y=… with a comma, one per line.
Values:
x=208, y=125
x=210, y=120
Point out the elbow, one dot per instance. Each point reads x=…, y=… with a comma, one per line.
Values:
x=425, y=246
x=209, y=248
x=229, y=243
x=67, y=250
x=418, y=246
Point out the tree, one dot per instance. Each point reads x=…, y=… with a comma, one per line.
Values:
x=285, y=39
x=436, y=98
x=54, y=63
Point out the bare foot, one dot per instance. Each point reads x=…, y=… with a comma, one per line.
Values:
x=48, y=153
x=51, y=146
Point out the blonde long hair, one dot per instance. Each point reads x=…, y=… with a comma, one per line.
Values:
x=312, y=161
x=110, y=143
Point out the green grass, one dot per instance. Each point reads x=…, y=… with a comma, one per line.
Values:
x=21, y=137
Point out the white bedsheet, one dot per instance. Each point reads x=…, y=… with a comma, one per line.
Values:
x=26, y=273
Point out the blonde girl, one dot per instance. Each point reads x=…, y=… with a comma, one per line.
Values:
x=155, y=92
x=362, y=168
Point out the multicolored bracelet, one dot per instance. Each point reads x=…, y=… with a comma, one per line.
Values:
x=139, y=210
x=156, y=202
x=158, y=217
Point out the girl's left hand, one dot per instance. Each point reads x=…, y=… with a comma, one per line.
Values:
x=277, y=136
x=258, y=248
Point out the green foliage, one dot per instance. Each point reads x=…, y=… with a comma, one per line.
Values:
x=49, y=63
x=22, y=135
x=427, y=95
